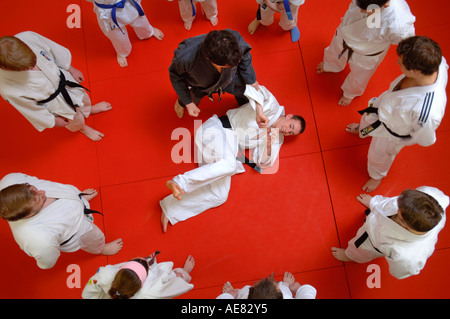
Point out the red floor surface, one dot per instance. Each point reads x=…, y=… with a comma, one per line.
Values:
x=271, y=223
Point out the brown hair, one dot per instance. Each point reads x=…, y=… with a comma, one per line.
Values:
x=15, y=201
x=266, y=288
x=420, y=53
x=15, y=55
x=420, y=211
x=126, y=283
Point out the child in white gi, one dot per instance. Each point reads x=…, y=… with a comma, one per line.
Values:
x=188, y=11
x=409, y=112
x=47, y=218
x=288, y=20
x=268, y=288
x=37, y=78
x=403, y=229
x=140, y=278
x=114, y=15
x=363, y=38
x=218, y=141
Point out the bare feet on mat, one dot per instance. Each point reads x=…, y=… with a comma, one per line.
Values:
x=113, y=247
x=290, y=280
x=90, y=194
x=188, y=25
x=320, y=69
x=339, y=254
x=92, y=134
x=158, y=33
x=352, y=128
x=344, y=101
x=364, y=199
x=122, y=61
x=253, y=26
x=189, y=264
x=371, y=185
x=214, y=21
x=101, y=107
x=229, y=289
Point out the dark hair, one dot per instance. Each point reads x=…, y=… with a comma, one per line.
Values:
x=15, y=55
x=364, y=4
x=420, y=211
x=266, y=288
x=302, y=122
x=222, y=48
x=15, y=201
x=420, y=53
x=126, y=283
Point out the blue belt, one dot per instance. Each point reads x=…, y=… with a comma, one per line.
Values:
x=295, y=32
x=193, y=8
x=119, y=5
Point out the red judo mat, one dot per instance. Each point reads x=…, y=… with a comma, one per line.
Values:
x=271, y=223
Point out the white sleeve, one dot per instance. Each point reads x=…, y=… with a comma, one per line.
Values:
x=306, y=292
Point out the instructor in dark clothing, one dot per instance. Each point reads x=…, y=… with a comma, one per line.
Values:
x=210, y=65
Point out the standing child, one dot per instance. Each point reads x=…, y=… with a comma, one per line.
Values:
x=188, y=11
x=363, y=39
x=403, y=229
x=140, y=278
x=268, y=288
x=114, y=15
x=289, y=15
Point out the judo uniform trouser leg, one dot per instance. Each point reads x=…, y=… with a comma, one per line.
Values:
x=365, y=252
x=381, y=155
x=93, y=241
x=142, y=27
x=362, y=67
x=83, y=112
x=209, y=8
x=120, y=41
x=267, y=17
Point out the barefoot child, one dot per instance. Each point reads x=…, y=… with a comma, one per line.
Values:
x=403, y=229
x=188, y=11
x=140, y=278
x=268, y=288
x=47, y=218
x=409, y=112
x=114, y=15
x=36, y=77
x=363, y=39
x=287, y=9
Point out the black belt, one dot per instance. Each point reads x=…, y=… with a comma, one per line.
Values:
x=350, y=51
x=62, y=89
x=377, y=123
x=365, y=236
x=86, y=211
x=243, y=159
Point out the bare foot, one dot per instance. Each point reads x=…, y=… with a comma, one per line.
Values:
x=339, y=254
x=91, y=193
x=179, y=109
x=364, y=199
x=253, y=26
x=158, y=33
x=164, y=222
x=229, y=289
x=188, y=25
x=320, y=68
x=91, y=133
x=122, y=61
x=214, y=21
x=189, y=264
x=290, y=280
x=353, y=128
x=344, y=101
x=101, y=107
x=113, y=247
x=175, y=189
x=371, y=185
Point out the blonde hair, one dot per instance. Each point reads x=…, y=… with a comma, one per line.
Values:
x=15, y=55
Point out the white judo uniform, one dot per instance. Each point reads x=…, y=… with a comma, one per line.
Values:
x=369, y=41
x=41, y=235
x=126, y=15
x=303, y=292
x=162, y=282
x=267, y=14
x=208, y=185
x=413, y=113
x=405, y=252
x=23, y=89
x=188, y=9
